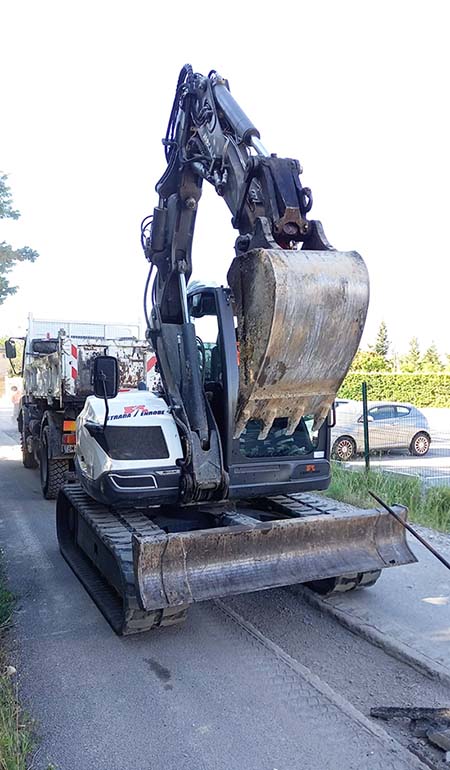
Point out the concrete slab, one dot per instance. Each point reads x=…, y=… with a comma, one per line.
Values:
x=407, y=611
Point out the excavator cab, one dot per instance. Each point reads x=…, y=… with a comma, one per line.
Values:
x=256, y=464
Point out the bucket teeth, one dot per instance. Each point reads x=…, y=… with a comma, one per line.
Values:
x=293, y=422
x=320, y=418
x=241, y=422
x=266, y=423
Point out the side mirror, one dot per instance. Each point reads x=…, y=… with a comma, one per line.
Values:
x=106, y=377
x=10, y=349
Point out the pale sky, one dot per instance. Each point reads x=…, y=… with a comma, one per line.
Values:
x=357, y=91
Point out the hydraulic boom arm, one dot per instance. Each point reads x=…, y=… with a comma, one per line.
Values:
x=210, y=137
x=300, y=305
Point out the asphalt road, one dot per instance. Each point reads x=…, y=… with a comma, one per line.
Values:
x=262, y=681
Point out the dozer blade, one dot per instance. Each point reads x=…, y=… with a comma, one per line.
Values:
x=180, y=568
x=301, y=315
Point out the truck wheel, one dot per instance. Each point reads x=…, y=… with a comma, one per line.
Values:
x=28, y=458
x=53, y=472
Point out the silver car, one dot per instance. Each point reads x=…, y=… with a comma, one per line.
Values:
x=391, y=425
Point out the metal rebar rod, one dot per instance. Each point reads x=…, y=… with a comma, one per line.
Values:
x=396, y=712
x=411, y=530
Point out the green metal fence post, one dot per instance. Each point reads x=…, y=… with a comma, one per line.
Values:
x=366, y=426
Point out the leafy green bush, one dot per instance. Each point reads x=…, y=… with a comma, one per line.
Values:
x=419, y=389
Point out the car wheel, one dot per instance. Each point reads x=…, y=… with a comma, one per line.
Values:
x=420, y=444
x=344, y=448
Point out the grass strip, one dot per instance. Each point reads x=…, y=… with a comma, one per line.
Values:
x=430, y=507
x=16, y=741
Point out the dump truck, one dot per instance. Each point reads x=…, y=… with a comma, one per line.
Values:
x=57, y=378
x=203, y=487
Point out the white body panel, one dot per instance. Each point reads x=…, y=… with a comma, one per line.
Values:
x=133, y=409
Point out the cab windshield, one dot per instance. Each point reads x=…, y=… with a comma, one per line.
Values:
x=278, y=443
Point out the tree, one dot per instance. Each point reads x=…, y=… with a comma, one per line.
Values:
x=8, y=255
x=447, y=364
x=370, y=361
x=431, y=362
x=412, y=361
x=381, y=347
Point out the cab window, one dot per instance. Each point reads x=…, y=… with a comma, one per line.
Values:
x=203, y=315
x=277, y=443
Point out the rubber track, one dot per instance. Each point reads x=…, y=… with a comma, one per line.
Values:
x=114, y=530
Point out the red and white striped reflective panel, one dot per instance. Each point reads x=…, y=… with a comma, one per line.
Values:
x=151, y=363
x=74, y=365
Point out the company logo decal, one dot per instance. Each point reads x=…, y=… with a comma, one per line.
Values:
x=137, y=410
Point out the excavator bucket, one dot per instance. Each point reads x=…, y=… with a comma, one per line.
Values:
x=301, y=315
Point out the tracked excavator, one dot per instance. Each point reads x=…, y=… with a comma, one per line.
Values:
x=203, y=487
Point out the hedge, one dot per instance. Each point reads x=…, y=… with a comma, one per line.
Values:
x=418, y=389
